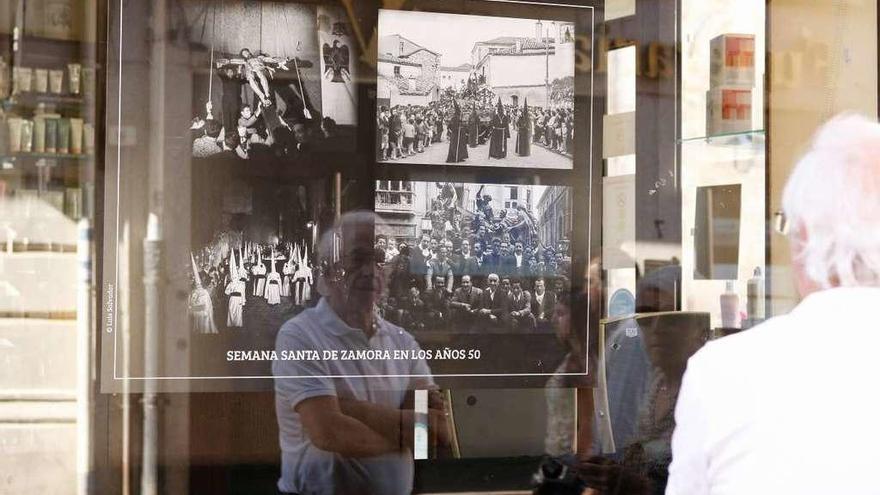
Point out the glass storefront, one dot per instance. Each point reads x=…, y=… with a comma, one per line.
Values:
x=396, y=246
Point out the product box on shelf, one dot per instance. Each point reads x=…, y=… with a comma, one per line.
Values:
x=728, y=110
x=732, y=60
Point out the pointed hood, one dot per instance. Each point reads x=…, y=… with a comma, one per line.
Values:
x=233, y=269
x=272, y=262
x=305, y=255
x=525, y=104
x=499, y=108
x=195, y=268
x=242, y=271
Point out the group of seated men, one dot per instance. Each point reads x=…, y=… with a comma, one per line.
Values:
x=435, y=287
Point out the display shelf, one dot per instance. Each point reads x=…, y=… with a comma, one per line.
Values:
x=744, y=150
x=44, y=156
x=32, y=99
x=753, y=137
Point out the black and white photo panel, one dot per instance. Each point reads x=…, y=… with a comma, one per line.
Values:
x=273, y=79
x=473, y=258
x=493, y=92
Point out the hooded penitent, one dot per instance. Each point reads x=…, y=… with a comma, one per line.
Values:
x=196, y=276
x=200, y=305
x=235, y=290
x=273, y=283
x=233, y=269
x=498, y=137
x=242, y=272
x=524, y=131
x=458, y=151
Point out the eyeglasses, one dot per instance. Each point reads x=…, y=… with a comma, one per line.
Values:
x=780, y=223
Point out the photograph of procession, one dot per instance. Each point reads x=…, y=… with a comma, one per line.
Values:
x=251, y=267
x=473, y=258
x=494, y=91
x=271, y=79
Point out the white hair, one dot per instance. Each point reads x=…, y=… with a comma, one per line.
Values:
x=832, y=203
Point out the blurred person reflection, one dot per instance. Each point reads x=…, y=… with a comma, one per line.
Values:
x=644, y=361
x=346, y=425
x=565, y=431
x=790, y=406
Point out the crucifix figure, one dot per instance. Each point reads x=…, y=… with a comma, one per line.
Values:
x=257, y=70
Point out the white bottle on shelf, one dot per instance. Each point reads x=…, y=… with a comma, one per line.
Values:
x=730, y=307
x=755, y=297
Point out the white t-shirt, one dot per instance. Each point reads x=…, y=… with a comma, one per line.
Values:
x=791, y=406
x=307, y=470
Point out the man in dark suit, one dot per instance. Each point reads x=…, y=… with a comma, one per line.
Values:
x=436, y=301
x=543, y=304
x=507, y=260
x=519, y=268
x=465, y=263
x=465, y=304
x=492, y=257
x=418, y=262
x=493, y=307
x=520, y=307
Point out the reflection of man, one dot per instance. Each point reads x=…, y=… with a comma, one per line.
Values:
x=348, y=435
x=465, y=303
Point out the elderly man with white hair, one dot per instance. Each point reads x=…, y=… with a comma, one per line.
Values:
x=346, y=424
x=792, y=406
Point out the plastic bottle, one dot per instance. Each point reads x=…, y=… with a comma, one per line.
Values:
x=730, y=307
x=755, y=297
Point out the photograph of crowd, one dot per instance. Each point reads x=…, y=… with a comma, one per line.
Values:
x=233, y=273
x=493, y=92
x=277, y=78
x=250, y=264
x=472, y=258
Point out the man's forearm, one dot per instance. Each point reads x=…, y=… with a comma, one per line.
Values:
x=391, y=424
x=354, y=438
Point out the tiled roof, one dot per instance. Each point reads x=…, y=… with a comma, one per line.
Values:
x=459, y=68
x=420, y=47
x=512, y=51
x=387, y=57
x=528, y=43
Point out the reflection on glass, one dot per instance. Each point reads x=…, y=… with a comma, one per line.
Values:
x=716, y=235
x=346, y=425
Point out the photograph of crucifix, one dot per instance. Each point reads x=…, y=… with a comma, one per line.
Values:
x=271, y=79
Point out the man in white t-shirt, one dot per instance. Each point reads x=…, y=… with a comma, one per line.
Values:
x=791, y=406
x=344, y=424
